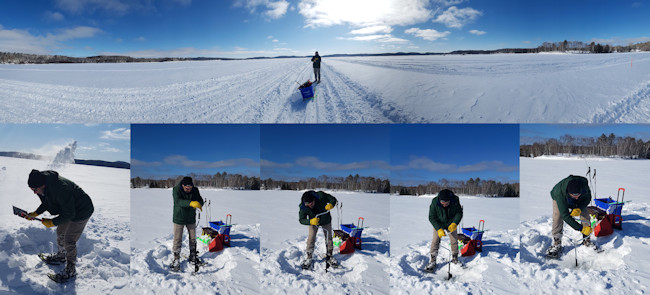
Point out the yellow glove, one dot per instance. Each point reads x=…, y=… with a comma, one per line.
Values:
x=441, y=233
x=47, y=222
x=329, y=207
x=31, y=216
x=576, y=212
x=452, y=227
x=196, y=204
x=314, y=221
x=586, y=230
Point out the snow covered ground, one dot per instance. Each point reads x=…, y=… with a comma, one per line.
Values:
x=492, y=271
x=397, y=89
x=622, y=267
x=235, y=270
x=103, y=250
x=284, y=240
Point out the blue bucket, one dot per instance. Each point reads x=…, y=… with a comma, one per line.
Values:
x=307, y=92
x=221, y=227
x=609, y=205
x=352, y=230
x=473, y=233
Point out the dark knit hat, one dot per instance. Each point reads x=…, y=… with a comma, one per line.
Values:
x=445, y=195
x=308, y=197
x=187, y=181
x=36, y=179
x=574, y=187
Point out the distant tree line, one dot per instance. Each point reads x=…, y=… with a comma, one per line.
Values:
x=349, y=183
x=23, y=58
x=473, y=186
x=605, y=146
x=565, y=46
x=219, y=180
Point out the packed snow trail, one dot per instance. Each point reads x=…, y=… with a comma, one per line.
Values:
x=498, y=88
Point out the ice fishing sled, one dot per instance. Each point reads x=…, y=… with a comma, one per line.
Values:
x=471, y=239
x=606, y=215
x=306, y=90
x=218, y=234
x=349, y=237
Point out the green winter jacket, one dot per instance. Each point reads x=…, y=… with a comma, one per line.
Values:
x=64, y=198
x=441, y=217
x=322, y=199
x=565, y=203
x=316, y=61
x=183, y=213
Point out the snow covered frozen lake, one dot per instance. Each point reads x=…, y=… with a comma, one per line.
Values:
x=499, y=88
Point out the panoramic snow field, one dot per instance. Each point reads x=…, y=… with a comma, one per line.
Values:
x=494, y=270
x=103, y=250
x=622, y=267
x=235, y=270
x=284, y=240
x=522, y=88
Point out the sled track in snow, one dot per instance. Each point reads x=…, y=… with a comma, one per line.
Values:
x=633, y=108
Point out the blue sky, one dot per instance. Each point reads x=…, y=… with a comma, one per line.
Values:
x=247, y=28
x=293, y=152
x=169, y=150
x=424, y=153
x=531, y=133
x=107, y=142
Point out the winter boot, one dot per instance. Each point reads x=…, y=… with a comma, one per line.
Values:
x=176, y=263
x=54, y=259
x=332, y=261
x=307, y=262
x=555, y=249
x=431, y=267
x=70, y=271
x=454, y=259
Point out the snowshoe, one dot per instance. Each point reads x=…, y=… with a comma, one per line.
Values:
x=332, y=262
x=67, y=274
x=307, y=263
x=591, y=245
x=53, y=259
x=555, y=251
x=431, y=267
x=175, y=265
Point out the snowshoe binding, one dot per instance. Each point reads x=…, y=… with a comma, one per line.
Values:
x=53, y=259
x=307, y=263
x=68, y=273
x=332, y=262
x=176, y=264
x=591, y=245
x=431, y=267
x=554, y=252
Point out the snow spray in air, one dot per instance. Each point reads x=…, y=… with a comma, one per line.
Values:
x=64, y=156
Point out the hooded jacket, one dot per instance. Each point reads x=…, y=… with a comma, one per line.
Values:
x=64, y=198
x=322, y=199
x=183, y=213
x=565, y=202
x=316, y=61
x=441, y=217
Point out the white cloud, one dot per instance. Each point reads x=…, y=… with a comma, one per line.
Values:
x=377, y=38
x=54, y=16
x=313, y=162
x=118, y=134
x=620, y=41
x=23, y=41
x=271, y=164
x=180, y=160
x=526, y=42
x=457, y=18
x=272, y=9
x=136, y=162
x=427, y=34
x=449, y=2
x=275, y=40
x=477, y=32
x=372, y=30
x=363, y=13
x=140, y=39
x=424, y=163
x=81, y=6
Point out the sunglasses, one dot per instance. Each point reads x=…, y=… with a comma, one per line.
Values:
x=575, y=195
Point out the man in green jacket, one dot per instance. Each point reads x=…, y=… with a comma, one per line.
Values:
x=62, y=197
x=571, y=196
x=445, y=212
x=314, y=212
x=186, y=200
x=316, y=63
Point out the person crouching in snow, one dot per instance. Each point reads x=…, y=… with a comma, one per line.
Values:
x=445, y=212
x=314, y=203
x=186, y=200
x=62, y=197
x=571, y=196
